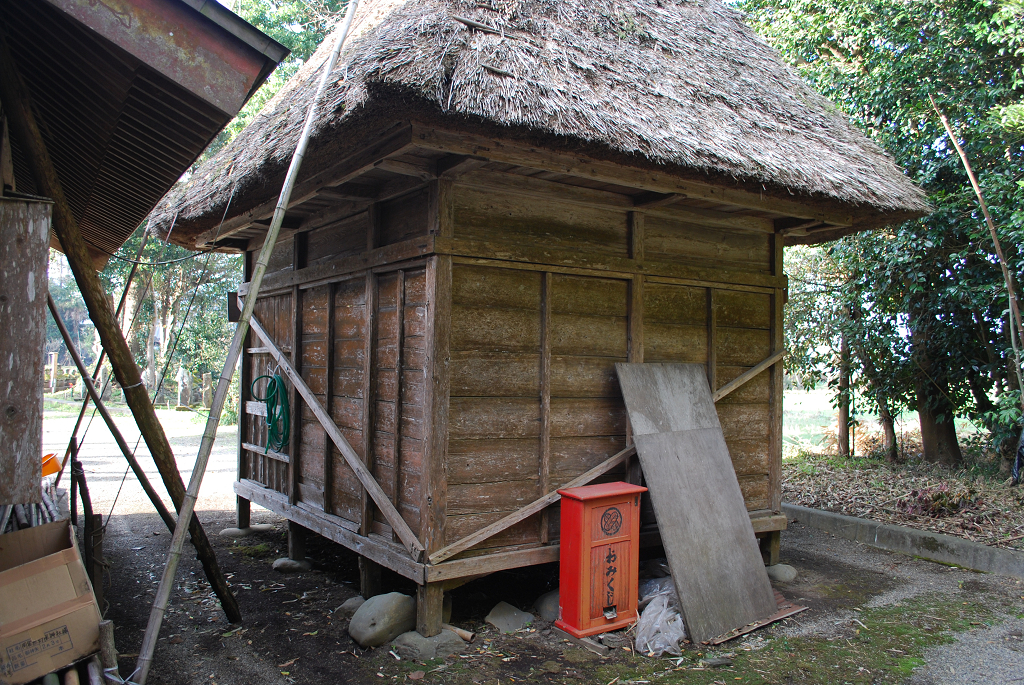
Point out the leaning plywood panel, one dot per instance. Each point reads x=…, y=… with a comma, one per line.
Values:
x=24, y=239
x=705, y=529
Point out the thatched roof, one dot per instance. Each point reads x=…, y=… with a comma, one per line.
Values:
x=683, y=84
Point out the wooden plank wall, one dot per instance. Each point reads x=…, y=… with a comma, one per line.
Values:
x=362, y=352
x=534, y=399
x=275, y=313
x=534, y=396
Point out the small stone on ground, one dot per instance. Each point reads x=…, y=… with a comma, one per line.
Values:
x=547, y=606
x=507, y=618
x=783, y=573
x=349, y=607
x=286, y=565
x=382, y=618
x=415, y=647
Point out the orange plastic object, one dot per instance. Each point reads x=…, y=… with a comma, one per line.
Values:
x=599, y=558
x=50, y=464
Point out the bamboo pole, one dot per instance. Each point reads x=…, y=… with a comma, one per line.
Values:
x=108, y=419
x=18, y=108
x=210, y=434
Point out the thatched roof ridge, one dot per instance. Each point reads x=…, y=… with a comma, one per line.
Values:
x=681, y=83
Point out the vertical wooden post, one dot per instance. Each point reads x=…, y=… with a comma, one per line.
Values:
x=635, y=354
x=636, y=235
x=94, y=540
x=433, y=507
x=329, y=389
x=243, y=510
x=399, y=360
x=295, y=443
x=778, y=300
x=296, y=542
x=544, y=475
x=18, y=108
x=369, y=571
x=24, y=253
x=712, y=323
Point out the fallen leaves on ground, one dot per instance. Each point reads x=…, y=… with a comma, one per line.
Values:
x=914, y=494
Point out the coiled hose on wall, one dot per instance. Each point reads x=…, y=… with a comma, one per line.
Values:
x=278, y=418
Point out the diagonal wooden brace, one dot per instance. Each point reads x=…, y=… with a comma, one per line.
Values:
x=530, y=509
x=387, y=508
x=747, y=375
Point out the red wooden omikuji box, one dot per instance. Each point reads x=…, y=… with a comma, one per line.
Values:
x=599, y=558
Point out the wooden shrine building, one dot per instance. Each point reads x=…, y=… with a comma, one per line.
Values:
x=498, y=205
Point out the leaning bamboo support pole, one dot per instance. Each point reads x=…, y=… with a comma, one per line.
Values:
x=18, y=109
x=210, y=434
x=380, y=498
x=108, y=419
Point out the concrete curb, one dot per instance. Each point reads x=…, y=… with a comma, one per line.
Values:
x=919, y=543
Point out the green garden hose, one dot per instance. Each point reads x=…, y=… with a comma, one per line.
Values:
x=278, y=420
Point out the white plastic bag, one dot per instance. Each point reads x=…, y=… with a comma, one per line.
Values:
x=652, y=587
x=660, y=628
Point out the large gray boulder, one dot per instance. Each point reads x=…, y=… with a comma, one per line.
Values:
x=383, y=618
x=415, y=647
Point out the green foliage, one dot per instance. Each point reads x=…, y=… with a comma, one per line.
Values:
x=926, y=297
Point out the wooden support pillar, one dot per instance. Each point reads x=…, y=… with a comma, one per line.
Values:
x=94, y=540
x=243, y=512
x=429, y=608
x=17, y=105
x=296, y=542
x=369, y=578
x=771, y=544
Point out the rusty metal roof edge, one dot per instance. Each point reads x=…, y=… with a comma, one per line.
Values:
x=239, y=28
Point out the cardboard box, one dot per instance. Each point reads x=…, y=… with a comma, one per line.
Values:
x=48, y=614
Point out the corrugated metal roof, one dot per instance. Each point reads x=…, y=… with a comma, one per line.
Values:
x=129, y=99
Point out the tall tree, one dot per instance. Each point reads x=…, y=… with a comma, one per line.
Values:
x=935, y=281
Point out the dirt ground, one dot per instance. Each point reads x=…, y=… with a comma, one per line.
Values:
x=873, y=617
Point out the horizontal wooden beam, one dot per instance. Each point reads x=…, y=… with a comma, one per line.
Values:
x=345, y=266
x=264, y=452
x=387, y=508
x=510, y=152
x=563, y=192
x=420, y=171
x=747, y=375
x=252, y=407
x=351, y=167
x=528, y=255
x=334, y=528
x=530, y=509
x=652, y=200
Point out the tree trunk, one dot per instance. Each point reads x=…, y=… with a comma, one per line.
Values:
x=843, y=431
x=938, y=437
x=888, y=428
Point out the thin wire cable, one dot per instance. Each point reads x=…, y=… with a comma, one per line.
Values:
x=169, y=261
